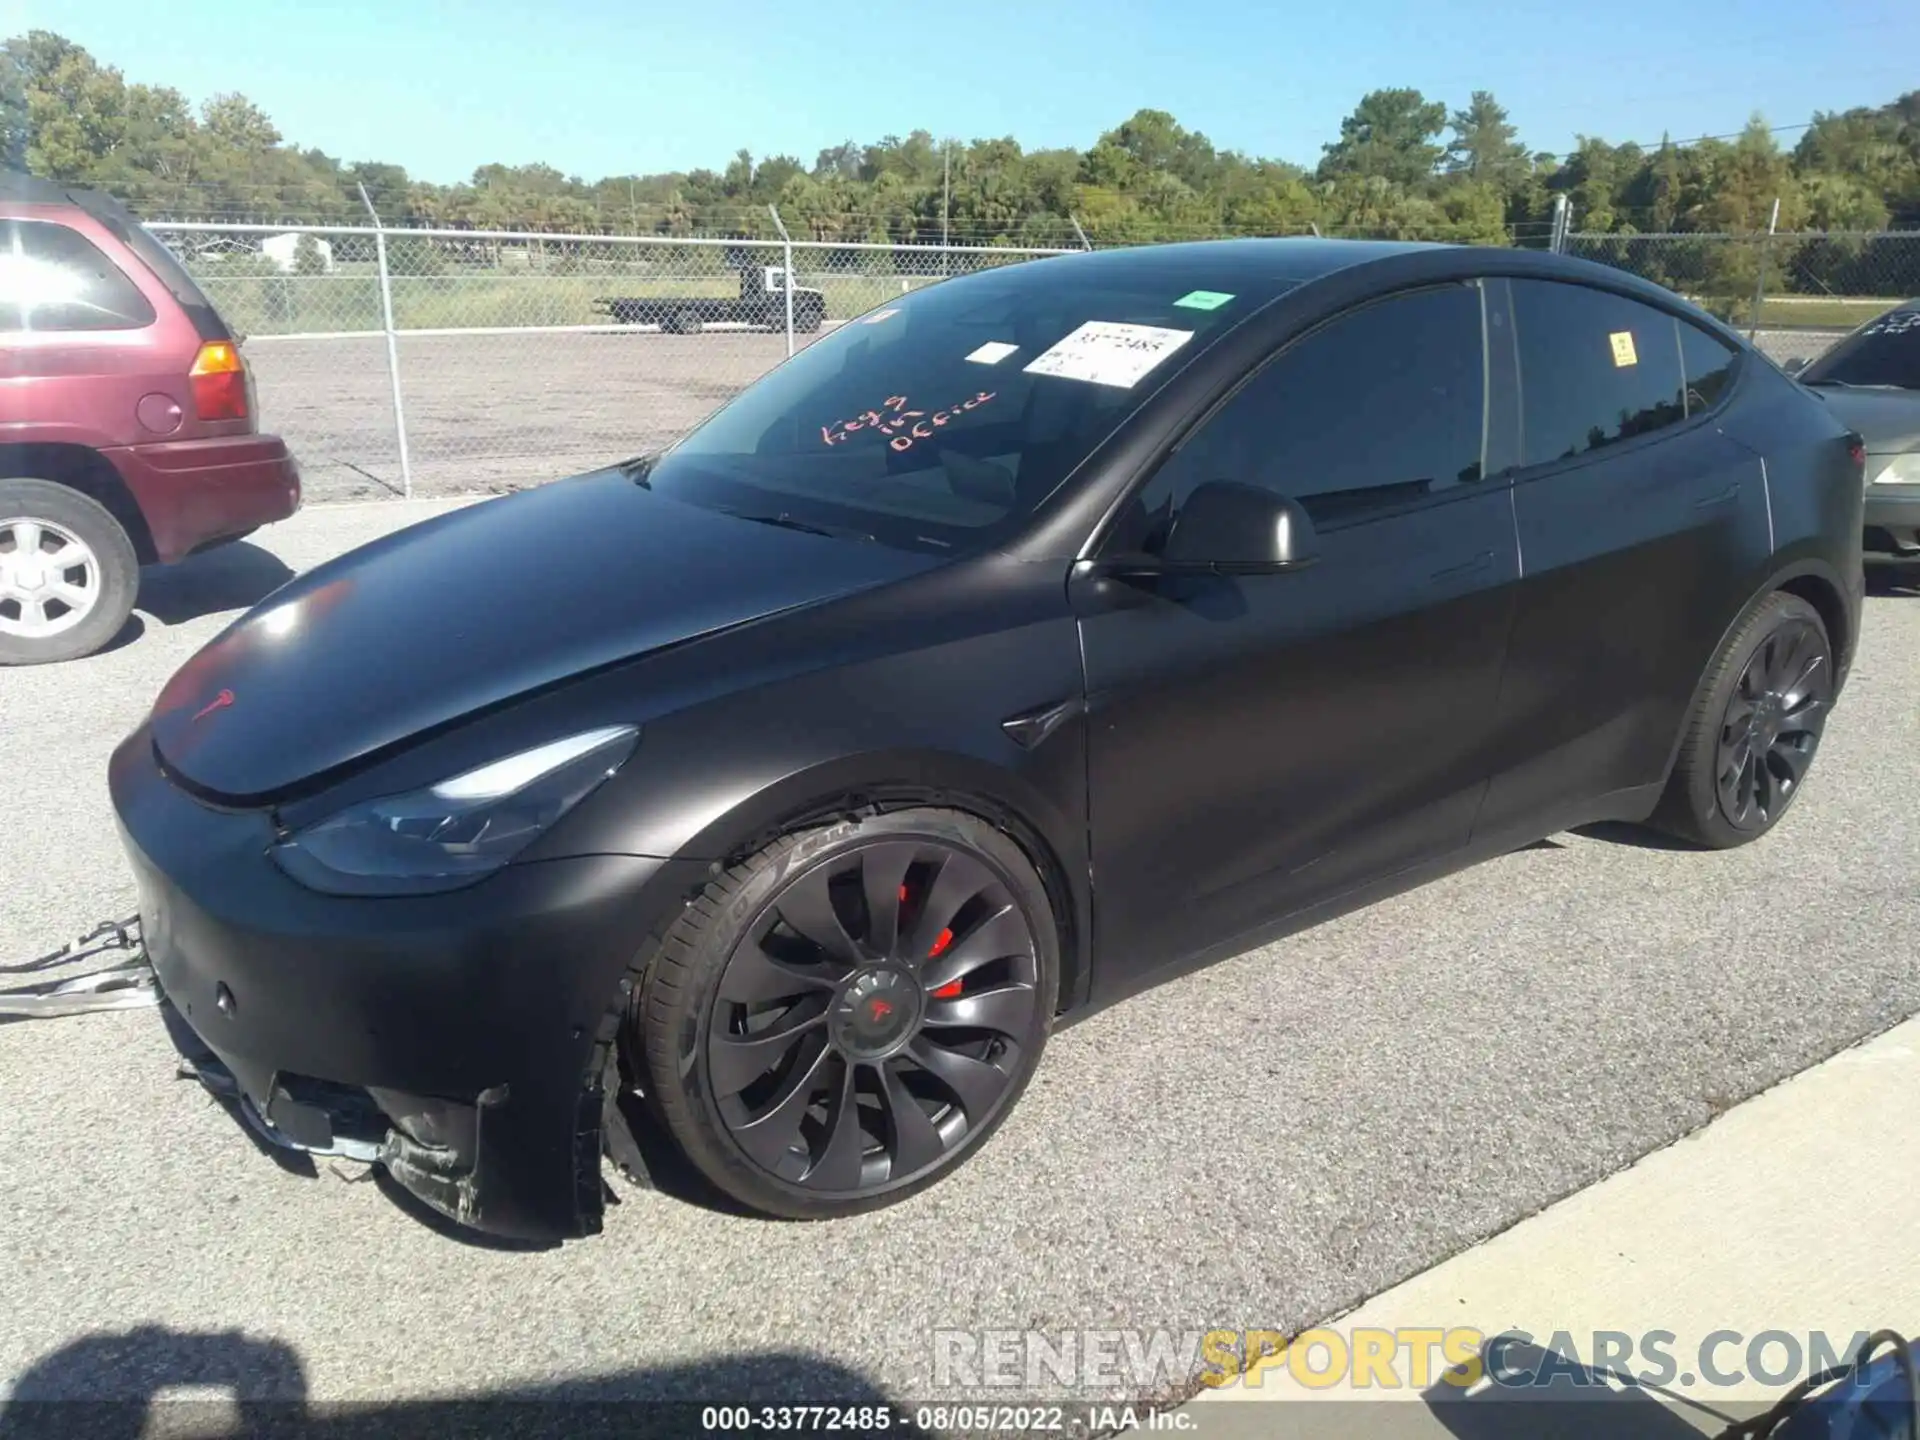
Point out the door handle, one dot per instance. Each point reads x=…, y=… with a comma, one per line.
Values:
x=1482, y=561
x=1708, y=502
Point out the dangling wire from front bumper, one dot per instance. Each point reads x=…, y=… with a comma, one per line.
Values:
x=124, y=983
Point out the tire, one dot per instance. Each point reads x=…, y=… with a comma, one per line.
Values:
x=1767, y=696
x=38, y=626
x=809, y=322
x=684, y=322
x=740, y=1104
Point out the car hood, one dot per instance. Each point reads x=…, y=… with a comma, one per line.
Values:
x=473, y=608
x=1888, y=420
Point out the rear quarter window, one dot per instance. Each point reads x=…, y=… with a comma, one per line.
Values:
x=1709, y=367
x=52, y=278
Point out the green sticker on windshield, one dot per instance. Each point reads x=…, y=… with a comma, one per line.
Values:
x=1203, y=299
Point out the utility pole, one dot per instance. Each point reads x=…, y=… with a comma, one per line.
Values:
x=946, y=201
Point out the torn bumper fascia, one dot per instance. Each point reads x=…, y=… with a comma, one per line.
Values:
x=441, y=1176
x=436, y=1150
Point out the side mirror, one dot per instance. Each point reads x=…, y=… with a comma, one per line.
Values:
x=1796, y=365
x=1239, y=530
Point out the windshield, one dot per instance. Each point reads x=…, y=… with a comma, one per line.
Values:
x=1884, y=351
x=939, y=422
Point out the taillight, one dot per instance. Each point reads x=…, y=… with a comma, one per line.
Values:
x=1857, y=450
x=219, y=380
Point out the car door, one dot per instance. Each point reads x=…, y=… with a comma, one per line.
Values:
x=1641, y=528
x=1258, y=742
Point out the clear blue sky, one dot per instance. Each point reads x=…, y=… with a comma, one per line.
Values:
x=600, y=87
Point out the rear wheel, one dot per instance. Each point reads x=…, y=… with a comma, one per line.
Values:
x=684, y=322
x=843, y=1018
x=68, y=574
x=1754, y=728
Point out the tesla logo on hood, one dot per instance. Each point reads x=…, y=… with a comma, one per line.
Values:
x=219, y=702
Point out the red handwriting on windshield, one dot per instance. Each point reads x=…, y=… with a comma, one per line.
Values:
x=904, y=427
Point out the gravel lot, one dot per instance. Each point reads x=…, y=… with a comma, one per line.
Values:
x=1255, y=1146
x=492, y=412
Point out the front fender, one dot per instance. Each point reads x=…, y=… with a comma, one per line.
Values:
x=715, y=778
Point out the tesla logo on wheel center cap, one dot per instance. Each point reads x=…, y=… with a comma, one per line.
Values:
x=877, y=1012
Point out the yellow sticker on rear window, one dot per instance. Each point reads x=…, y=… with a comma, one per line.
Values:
x=1623, y=352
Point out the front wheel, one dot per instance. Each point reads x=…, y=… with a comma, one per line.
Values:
x=841, y=1019
x=1754, y=728
x=68, y=573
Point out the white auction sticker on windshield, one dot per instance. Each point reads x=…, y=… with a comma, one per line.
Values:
x=992, y=353
x=1106, y=352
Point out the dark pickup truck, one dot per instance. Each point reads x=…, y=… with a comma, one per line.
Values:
x=762, y=302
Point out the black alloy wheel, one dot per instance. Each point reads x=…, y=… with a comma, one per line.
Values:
x=1772, y=724
x=860, y=1024
x=1755, y=727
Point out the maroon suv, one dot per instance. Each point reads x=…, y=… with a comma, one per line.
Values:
x=127, y=434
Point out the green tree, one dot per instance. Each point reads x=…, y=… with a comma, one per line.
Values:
x=1389, y=173
x=74, y=107
x=1747, y=177
x=234, y=121
x=1390, y=136
x=387, y=189
x=1486, y=146
x=14, y=128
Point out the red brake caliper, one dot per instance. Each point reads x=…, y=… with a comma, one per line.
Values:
x=950, y=990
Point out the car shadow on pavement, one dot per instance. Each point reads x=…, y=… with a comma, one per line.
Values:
x=1641, y=837
x=127, y=1385
x=236, y=576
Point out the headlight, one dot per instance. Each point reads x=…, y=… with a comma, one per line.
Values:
x=1898, y=470
x=453, y=833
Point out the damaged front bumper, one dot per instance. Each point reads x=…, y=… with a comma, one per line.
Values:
x=460, y=1041
x=429, y=1146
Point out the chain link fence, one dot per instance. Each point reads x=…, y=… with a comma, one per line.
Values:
x=427, y=361
x=440, y=361
x=1794, y=293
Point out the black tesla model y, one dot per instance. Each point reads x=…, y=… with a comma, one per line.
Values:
x=1011, y=649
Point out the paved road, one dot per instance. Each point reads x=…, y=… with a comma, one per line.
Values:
x=1255, y=1146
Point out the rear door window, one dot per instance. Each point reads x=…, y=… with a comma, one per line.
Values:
x=52, y=278
x=1596, y=369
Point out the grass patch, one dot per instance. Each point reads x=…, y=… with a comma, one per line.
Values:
x=1823, y=312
